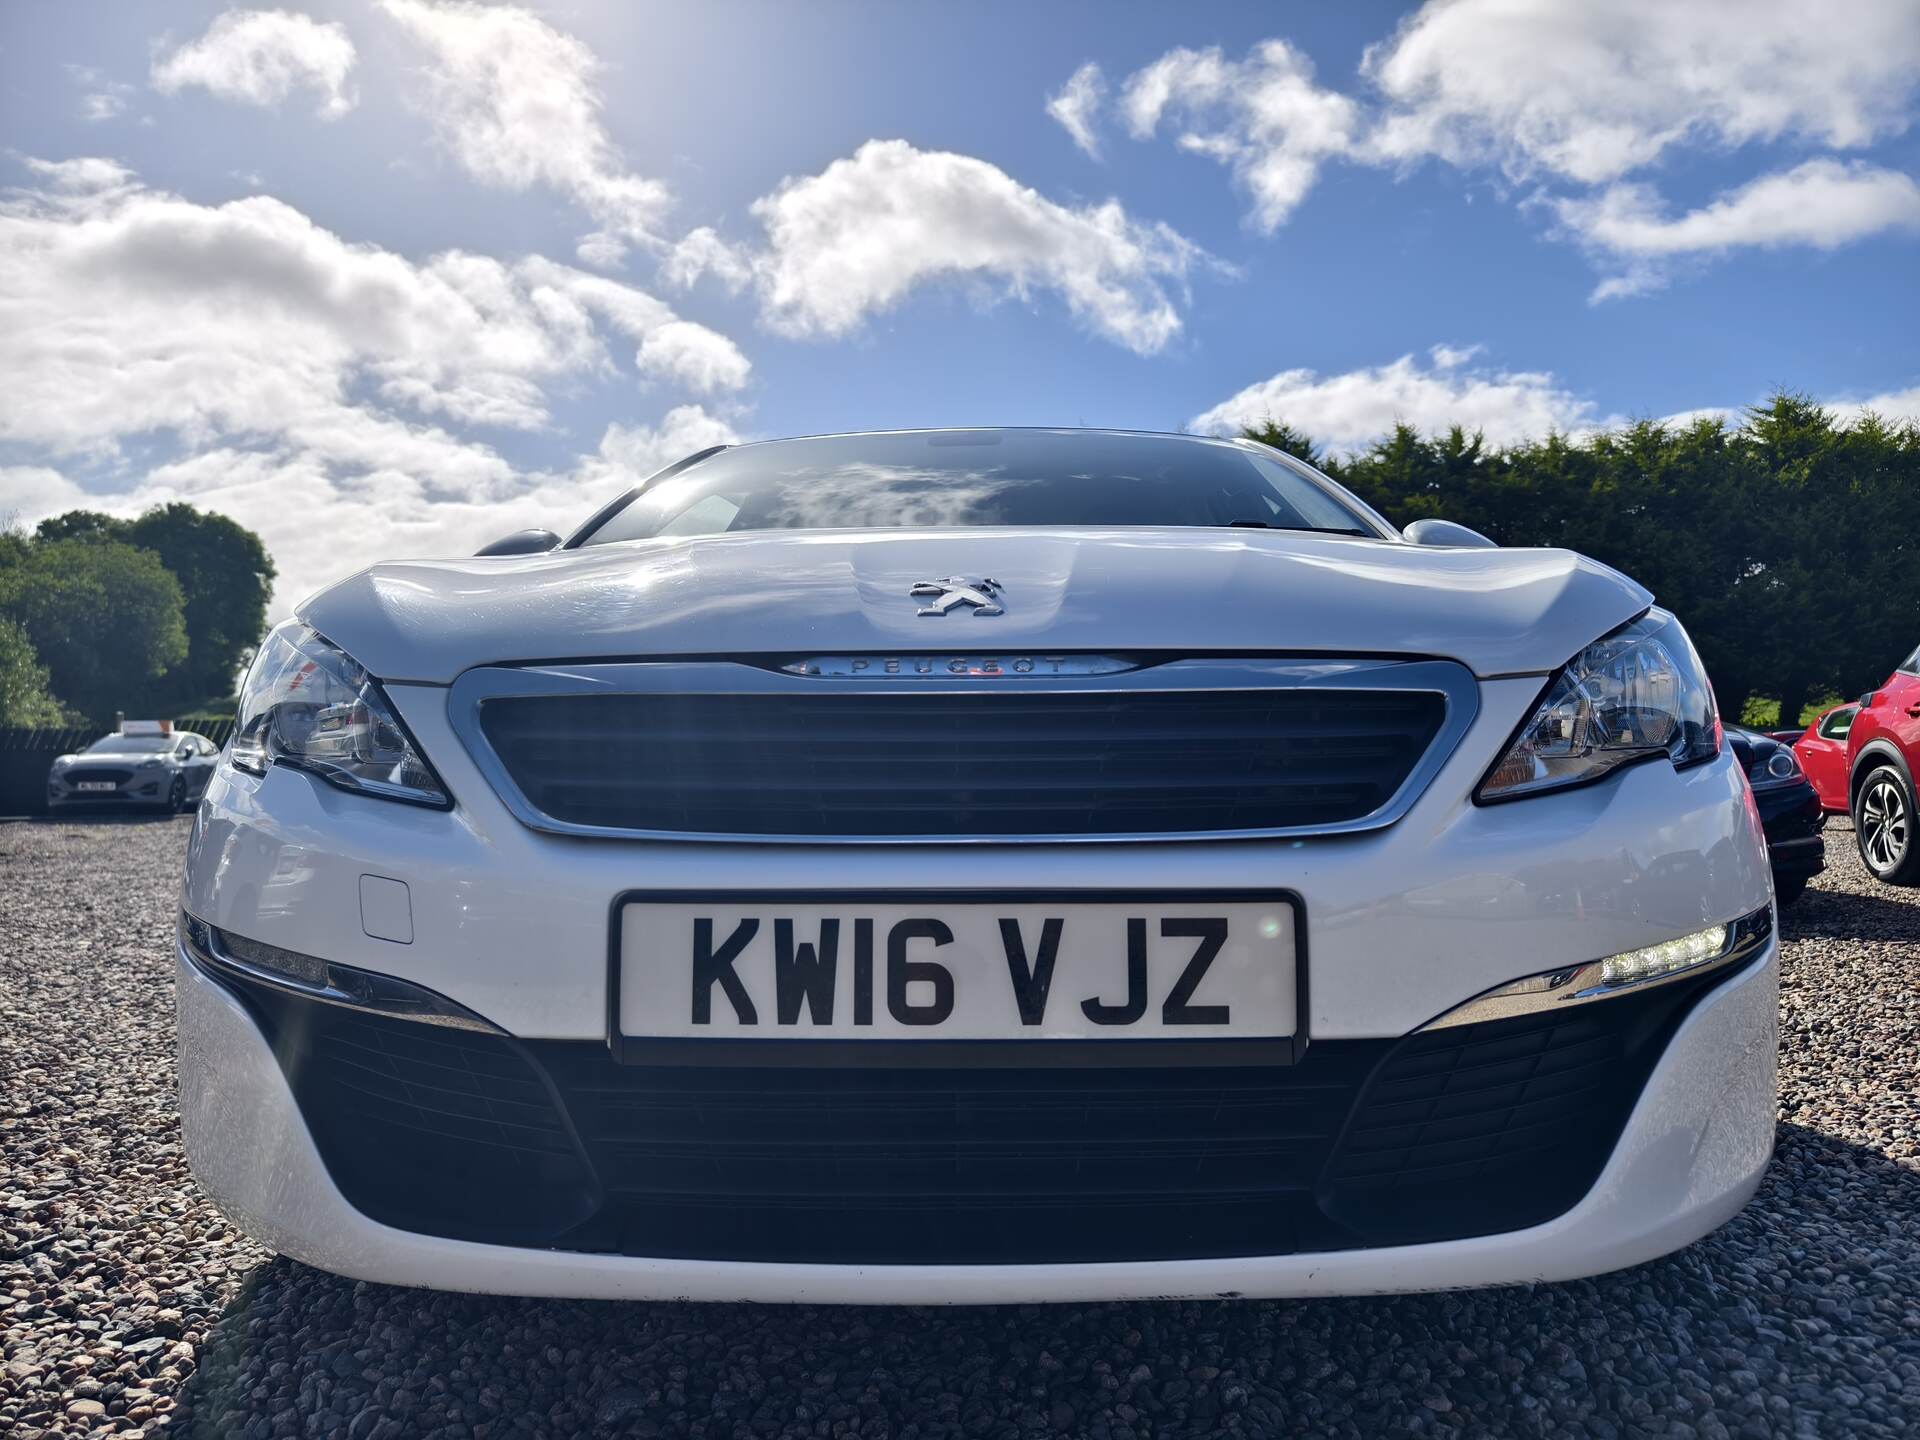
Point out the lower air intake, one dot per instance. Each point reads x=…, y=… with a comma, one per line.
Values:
x=1440, y=1135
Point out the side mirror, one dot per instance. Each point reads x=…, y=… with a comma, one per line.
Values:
x=522, y=542
x=1445, y=532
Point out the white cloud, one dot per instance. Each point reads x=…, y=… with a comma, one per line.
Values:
x=517, y=104
x=1823, y=204
x=1078, y=103
x=86, y=176
x=29, y=493
x=1592, y=92
x=630, y=453
x=1448, y=356
x=856, y=238
x=1348, y=412
x=1681, y=419
x=1897, y=406
x=314, y=388
x=1557, y=93
x=601, y=250
x=97, y=275
x=105, y=99
x=260, y=57
x=700, y=358
x=1265, y=117
x=702, y=252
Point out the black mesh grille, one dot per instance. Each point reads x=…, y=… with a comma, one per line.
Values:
x=1497, y=1125
x=1441, y=1135
x=892, y=1165
x=117, y=776
x=431, y=1128
x=996, y=762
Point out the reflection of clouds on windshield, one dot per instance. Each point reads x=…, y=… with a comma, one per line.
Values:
x=869, y=496
x=909, y=481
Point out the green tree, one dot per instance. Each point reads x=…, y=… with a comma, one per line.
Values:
x=227, y=579
x=106, y=619
x=24, y=697
x=81, y=525
x=1840, y=508
x=1286, y=438
x=224, y=573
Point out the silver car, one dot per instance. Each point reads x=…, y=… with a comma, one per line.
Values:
x=168, y=771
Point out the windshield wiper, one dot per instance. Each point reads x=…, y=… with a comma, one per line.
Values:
x=1308, y=529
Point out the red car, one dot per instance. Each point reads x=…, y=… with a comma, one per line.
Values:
x=1862, y=759
x=1822, y=753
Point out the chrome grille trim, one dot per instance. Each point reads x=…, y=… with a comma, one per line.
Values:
x=1453, y=682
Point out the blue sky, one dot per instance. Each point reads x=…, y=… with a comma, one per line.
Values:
x=326, y=271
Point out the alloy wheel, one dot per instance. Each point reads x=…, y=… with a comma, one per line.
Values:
x=1884, y=824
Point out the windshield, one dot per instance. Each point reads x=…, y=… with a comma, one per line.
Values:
x=947, y=478
x=131, y=745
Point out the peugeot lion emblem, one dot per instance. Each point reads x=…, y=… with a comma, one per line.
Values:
x=959, y=590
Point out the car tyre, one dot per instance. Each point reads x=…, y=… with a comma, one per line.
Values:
x=1785, y=892
x=177, y=796
x=1884, y=816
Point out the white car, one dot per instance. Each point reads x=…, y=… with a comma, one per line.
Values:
x=979, y=866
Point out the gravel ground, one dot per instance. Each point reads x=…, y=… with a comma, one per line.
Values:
x=133, y=1307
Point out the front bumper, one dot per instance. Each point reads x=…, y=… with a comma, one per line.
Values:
x=1690, y=1155
x=1402, y=925
x=1792, y=819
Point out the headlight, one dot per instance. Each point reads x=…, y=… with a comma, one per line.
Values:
x=1778, y=768
x=307, y=703
x=151, y=765
x=1638, y=694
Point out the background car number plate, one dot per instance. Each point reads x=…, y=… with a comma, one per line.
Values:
x=95, y=785
x=902, y=968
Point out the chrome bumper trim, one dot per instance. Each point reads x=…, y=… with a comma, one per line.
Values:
x=347, y=986
x=1581, y=984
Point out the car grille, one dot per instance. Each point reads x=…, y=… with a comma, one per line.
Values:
x=119, y=777
x=972, y=1165
x=982, y=764
x=1493, y=1124
x=1439, y=1135
x=427, y=1127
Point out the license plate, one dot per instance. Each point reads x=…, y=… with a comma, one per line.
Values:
x=95, y=785
x=901, y=968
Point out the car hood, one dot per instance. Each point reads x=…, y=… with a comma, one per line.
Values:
x=1178, y=590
